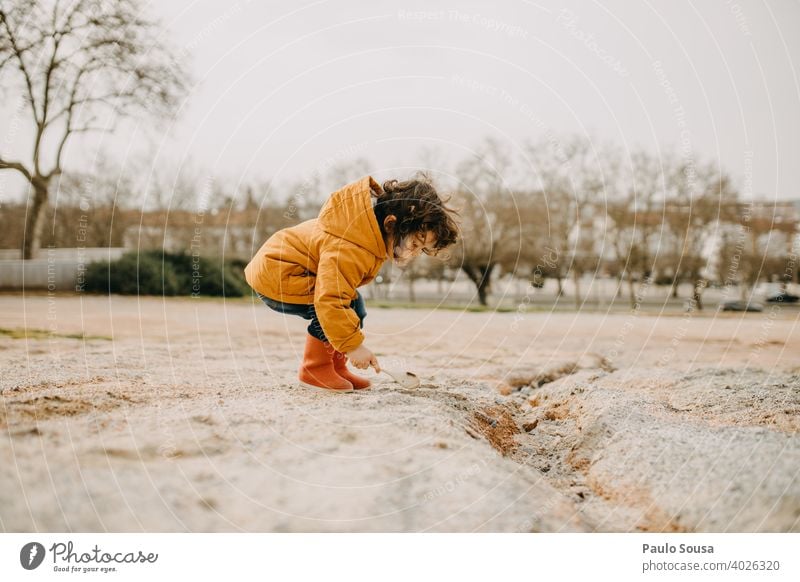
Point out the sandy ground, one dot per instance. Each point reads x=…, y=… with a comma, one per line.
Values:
x=182, y=415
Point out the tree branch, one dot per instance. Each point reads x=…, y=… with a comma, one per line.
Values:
x=17, y=53
x=107, y=99
x=70, y=109
x=9, y=165
x=48, y=74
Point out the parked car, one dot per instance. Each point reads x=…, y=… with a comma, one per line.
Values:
x=782, y=297
x=736, y=305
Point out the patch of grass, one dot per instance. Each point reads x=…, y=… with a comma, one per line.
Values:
x=32, y=333
x=84, y=336
x=427, y=305
x=22, y=333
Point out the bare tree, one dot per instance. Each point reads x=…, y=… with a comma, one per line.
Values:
x=649, y=192
x=622, y=237
x=701, y=199
x=635, y=209
x=491, y=217
x=764, y=246
x=80, y=67
x=474, y=254
x=572, y=179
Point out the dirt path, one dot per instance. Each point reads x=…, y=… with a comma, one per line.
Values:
x=128, y=415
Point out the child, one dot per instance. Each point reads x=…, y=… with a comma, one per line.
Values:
x=313, y=269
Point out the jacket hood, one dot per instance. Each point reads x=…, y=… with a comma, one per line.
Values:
x=348, y=214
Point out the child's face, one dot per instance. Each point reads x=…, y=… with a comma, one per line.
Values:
x=411, y=246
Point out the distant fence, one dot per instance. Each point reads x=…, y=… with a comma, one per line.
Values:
x=53, y=269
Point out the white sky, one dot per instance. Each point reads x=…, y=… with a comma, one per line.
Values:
x=284, y=88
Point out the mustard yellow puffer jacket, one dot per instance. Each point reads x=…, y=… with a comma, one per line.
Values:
x=323, y=260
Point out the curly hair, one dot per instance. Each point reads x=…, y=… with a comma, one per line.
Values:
x=418, y=208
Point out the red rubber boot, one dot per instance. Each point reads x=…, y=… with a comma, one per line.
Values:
x=340, y=366
x=317, y=370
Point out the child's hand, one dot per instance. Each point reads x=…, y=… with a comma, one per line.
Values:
x=362, y=358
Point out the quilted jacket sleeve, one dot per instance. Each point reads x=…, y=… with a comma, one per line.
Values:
x=339, y=272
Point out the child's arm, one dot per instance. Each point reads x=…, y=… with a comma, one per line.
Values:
x=339, y=271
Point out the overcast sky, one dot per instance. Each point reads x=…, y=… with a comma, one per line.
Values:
x=285, y=88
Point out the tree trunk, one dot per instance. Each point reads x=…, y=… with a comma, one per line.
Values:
x=560, y=291
x=618, y=291
x=32, y=237
x=675, y=284
x=481, y=276
x=631, y=292
x=750, y=275
x=697, y=294
x=576, y=281
x=483, y=291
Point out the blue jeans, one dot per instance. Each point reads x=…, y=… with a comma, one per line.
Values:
x=308, y=312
